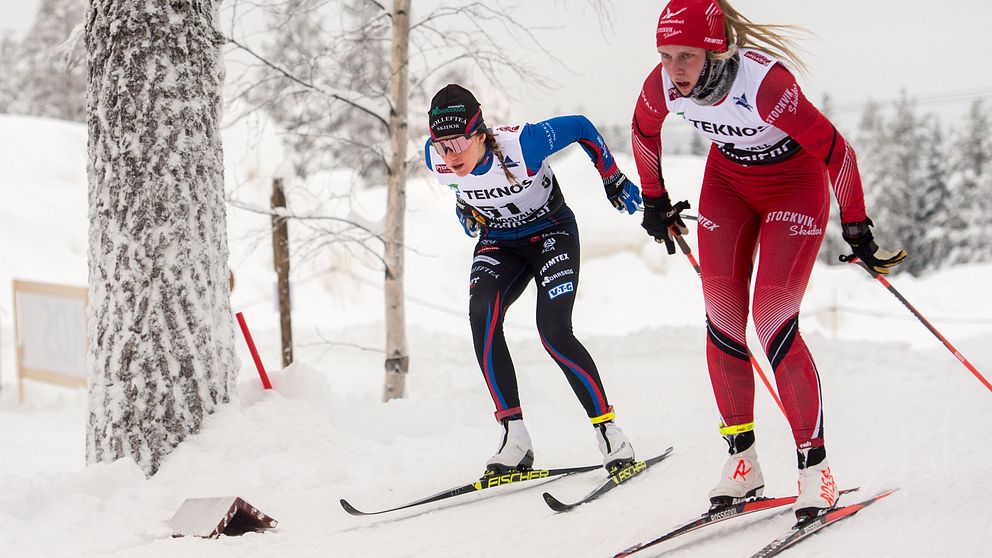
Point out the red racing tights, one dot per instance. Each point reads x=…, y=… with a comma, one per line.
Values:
x=781, y=207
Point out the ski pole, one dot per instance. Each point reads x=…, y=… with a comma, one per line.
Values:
x=754, y=362
x=881, y=279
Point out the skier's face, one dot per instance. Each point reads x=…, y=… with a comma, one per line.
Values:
x=461, y=155
x=684, y=64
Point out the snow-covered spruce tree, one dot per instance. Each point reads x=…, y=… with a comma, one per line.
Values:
x=930, y=208
x=8, y=62
x=885, y=169
x=871, y=144
x=983, y=238
x=49, y=77
x=904, y=180
x=698, y=146
x=970, y=184
x=160, y=331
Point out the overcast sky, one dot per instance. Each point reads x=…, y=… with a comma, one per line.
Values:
x=862, y=49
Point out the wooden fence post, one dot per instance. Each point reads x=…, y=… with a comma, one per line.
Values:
x=280, y=259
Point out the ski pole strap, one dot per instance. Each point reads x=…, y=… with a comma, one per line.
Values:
x=605, y=417
x=736, y=429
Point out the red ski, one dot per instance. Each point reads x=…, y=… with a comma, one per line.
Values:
x=729, y=512
x=802, y=530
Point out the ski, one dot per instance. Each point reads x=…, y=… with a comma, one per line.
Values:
x=749, y=506
x=617, y=477
x=802, y=530
x=488, y=480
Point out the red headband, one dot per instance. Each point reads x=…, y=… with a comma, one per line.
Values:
x=695, y=23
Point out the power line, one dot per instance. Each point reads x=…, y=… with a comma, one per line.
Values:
x=939, y=98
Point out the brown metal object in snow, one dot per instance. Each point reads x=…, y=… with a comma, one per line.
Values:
x=212, y=517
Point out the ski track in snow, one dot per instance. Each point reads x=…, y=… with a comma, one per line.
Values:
x=899, y=409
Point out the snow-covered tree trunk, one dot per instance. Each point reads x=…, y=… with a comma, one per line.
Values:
x=160, y=331
x=397, y=357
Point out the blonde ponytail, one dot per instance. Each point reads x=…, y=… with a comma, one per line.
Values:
x=773, y=39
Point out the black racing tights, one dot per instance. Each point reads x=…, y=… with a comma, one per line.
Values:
x=501, y=270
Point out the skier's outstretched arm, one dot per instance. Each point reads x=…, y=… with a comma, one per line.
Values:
x=541, y=140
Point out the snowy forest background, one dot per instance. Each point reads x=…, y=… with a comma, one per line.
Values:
x=928, y=181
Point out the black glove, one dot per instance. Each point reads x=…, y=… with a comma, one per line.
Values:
x=622, y=193
x=469, y=217
x=660, y=218
x=862, y=242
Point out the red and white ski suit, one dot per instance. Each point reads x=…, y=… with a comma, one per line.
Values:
x=765, y=184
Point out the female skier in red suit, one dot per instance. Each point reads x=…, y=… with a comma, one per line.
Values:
x=765, y=184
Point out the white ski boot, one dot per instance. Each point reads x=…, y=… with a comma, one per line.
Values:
x=741, y=477
x=614, y=445
x=515, y=449
x=817, y=487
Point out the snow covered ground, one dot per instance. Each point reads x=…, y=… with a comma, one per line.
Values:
x=900, y=410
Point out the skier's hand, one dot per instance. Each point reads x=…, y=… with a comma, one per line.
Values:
x=862, y=242
x=622, y=193
x=661, y=219
x=469, y=217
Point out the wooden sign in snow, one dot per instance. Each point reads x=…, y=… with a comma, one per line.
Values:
x=212, y=517
x=50, y=333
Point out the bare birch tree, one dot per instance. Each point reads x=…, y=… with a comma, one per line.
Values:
x=397, y=355
x=160, y=331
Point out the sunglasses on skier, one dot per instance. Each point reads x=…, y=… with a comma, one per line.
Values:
x=453, y=145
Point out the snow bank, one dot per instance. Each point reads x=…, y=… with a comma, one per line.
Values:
x=900, y=410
